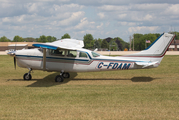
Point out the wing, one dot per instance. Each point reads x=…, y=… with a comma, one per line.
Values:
x=71, y=44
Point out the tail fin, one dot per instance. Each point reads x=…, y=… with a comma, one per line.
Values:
x=158, y=48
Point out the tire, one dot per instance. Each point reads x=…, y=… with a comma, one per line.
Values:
x=27, y=77
x=58, y=78
x=66, y=75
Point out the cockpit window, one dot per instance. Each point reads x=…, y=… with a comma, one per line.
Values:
x=83, y=55
x=57, y=52
x=71, y=53
x=95, y=54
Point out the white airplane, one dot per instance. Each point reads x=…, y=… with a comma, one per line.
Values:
x=67, y=55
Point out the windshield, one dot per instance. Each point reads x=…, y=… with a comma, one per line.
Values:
x=95, y=54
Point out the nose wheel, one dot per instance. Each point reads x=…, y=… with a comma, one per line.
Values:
x=28, y=76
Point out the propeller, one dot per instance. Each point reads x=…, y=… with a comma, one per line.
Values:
x=13, y=54
x=15, y=62
x=15, y=58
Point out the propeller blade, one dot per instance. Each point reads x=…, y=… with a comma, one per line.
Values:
x=15, y=62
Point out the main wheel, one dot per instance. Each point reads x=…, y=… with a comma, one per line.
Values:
x=27, y=76
x=66, y=75
x=58, y=78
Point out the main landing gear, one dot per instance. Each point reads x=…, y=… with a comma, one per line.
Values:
x=60, y=78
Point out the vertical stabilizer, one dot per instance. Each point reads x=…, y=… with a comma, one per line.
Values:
x=158, y=48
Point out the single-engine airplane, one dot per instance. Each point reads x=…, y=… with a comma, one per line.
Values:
x=67, y=55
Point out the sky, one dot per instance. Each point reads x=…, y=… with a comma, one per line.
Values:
x=101, y=18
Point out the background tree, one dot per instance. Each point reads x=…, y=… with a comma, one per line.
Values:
x=30, y=39
x=140, y=40
x=51, y=39
x=100, y=41
x=113, y=45
x=177, y=35
x=4, y=39
x=120, y=43
x=18, y=39
x=97, y=43
x=104, y=44
x=65, y=36
x=157, y=35
x=88, y=41
x=42, y=38
x=37, y=39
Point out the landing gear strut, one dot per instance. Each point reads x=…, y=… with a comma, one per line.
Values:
x=60, y=78
x=28, y=76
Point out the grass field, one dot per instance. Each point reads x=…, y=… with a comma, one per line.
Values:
x=129, y=94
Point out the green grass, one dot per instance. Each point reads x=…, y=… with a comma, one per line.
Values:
x=128, y=94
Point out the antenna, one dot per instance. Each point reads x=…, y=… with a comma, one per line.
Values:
x=133, y=42
x=130, y=38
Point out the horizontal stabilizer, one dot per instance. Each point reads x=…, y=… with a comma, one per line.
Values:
x=148, y=64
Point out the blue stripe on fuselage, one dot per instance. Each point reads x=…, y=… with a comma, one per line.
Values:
x=112, y=60
x=118, y=60
x=52, y=58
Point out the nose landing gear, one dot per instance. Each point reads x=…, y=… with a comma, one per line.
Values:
x=28, y=76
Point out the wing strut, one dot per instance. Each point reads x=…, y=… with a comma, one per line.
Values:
x=44, y=59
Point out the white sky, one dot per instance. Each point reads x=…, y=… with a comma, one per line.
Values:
x=101, y=18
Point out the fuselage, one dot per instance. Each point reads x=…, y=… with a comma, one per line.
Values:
x=81, y=60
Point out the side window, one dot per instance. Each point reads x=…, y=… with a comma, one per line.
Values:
x=57, y=52
x=83, y=55
x=71, y=53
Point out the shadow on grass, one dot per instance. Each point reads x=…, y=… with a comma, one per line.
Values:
x=142, y=79
x=49, y=80
x=134, y=79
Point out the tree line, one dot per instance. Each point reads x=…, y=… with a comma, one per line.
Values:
x=89, y=42
x=17, y=38
x=113, y=44
x=42, y=38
